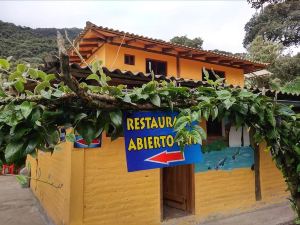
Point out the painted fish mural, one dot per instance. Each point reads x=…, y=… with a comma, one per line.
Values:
x=226, y=159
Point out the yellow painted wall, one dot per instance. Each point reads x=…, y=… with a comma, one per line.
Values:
x=97, y=187
x=222, y=191
x=114, y=196
x=273, y=186
x=97, y=55
x=53, y=169
x=193, y=70
x=189, y=69
x=140, y=59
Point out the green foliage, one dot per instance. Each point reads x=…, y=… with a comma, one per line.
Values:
x=32, y=121
x=23, y=180
x=286, y=68
x=184, y=40
x=29, y=45
x=283, y=67
x=264, y=51
x=292, y=86
x=277, y=22
x=259, y=3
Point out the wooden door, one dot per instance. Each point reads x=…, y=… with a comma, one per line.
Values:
x=178, y=187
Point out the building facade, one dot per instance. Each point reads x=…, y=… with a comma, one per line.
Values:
x=92, y=186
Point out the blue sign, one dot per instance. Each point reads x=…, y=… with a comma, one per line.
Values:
x=149, y=141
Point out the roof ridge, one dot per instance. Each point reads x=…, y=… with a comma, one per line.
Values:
x=90, y=25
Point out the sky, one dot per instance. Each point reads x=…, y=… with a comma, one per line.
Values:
x=219, y=23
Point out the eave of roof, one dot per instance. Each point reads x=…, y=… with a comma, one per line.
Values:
x=127, y=77
x=98, y=35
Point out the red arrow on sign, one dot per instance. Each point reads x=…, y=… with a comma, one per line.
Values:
x=166, y=157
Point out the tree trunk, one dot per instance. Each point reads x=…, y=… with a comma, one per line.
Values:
x=256, y=166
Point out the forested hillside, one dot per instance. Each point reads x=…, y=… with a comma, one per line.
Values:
x=29, y=45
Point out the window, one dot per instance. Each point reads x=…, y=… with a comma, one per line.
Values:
x=129, y=59
x=214, y=131
x=214, y=128
x=212, y=76
x=158, y=67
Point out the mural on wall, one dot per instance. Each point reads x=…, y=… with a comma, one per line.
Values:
x=227, y=152
x=226, y=159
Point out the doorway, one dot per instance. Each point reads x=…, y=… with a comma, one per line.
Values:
x=178, y=191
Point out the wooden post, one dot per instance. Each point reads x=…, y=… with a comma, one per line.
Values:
x=178, y=66
x=256, y=166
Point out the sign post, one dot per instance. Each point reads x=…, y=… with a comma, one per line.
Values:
x=149, y=141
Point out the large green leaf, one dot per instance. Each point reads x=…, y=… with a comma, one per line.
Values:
x=270, y=117
x=41, y=86
x=206, y=74
x=87, y=130
x=127, y=98
x=155, y=100
x=50, y=77
x=205, y=113
x=22, y=180
x=35, y=115
x=49, y=115
x=13, y=151
x=201, y=131
x=20, y=131
x=15, y=76
x=96, y=66
x=4, y=64
x=79, y=117
x=116, y=117
x=46, y=94
x=228, y=103
x=52, y=136
x=42, y=75
x=196, y=136
x=26, y=108
x=243, y=108
x=32, y=144
x=245, y=94
x=21, y=68
x=223, y=94
x=181, y=123
x=94, y=76
x=214, y=112
x=19, y=86
x=70, y=137
x=104, y=79
x=32, y=73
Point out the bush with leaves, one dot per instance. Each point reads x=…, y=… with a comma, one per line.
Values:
x=35, y=105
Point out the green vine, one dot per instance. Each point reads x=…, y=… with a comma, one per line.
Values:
x=35, y=105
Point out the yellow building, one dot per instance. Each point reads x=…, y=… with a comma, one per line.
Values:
x=92, y=186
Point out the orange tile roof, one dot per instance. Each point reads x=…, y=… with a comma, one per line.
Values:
x=93, y=36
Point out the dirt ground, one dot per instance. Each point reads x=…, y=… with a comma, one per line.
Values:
x=18, y=205
x=275, y=214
